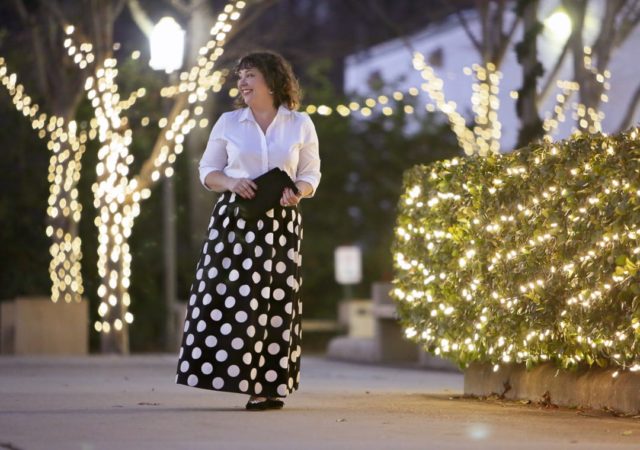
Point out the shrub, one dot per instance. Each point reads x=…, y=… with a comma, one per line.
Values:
x=527, y=257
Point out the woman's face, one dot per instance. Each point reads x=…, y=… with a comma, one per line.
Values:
x=253, y=88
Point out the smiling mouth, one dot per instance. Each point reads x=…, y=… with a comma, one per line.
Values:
x=246, y=91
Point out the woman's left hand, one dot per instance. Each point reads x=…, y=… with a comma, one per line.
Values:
x=289, y=198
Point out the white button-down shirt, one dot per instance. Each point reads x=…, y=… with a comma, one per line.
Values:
x=238, y=147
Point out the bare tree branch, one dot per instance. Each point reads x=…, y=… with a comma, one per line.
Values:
x=140, y=17
x=627, y=119
x=465, y=25
x=553, y=75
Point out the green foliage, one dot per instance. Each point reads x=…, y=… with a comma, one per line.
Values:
x=527, y=257
x=362, y=165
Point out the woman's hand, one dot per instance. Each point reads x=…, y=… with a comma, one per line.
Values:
x=289, y=198
x=244, y=187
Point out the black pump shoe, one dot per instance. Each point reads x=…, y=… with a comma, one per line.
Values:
x=269, y=403
x=274, y=403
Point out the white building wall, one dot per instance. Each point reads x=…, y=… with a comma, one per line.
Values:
x=392, y=60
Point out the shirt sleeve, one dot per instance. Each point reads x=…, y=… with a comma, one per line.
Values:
x=215, y=155
x=309, y=159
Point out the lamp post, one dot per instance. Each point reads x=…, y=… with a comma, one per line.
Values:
x=167, y=51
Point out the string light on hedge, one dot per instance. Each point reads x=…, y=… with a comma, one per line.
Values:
x=420, y=229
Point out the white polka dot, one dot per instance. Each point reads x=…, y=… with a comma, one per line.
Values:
x=234, y=275
x=190, y=339
x=273, y=348
x=258, y=347
x=281, y=267
x=262, y=319
x=286, y=334
x=221, y=288
x=284, y=213
x=271, y=375
x=226, y=262
x=231, y=237
x=222, y=209
x=221, y=355
x=287, y=308
x=211, y=341
x=181, y=352
x=290, y=226
x=213, y=234
x=218, y=383
x=225, y=328
x=267, y=265
x=284, y=362
x=243, y=385
x=291, y=255
x=276, y=225
x=283, y=241
x=230, y=302
x=257, y=388
x=192, y=299
x=257, y=251
x=269, y=238
x=237, y=343
x=192, y=380
x=201, y=286
x=253, y=374
x=290, y=280
x=253, y=304
x=199, y=274
x=256, y=277
x=201, y=325
x=207, y=260
x=184, y=366
x=196, y=353
x=276, y=321
x=213, y=272
x=270, y=213
x=278, y=294
x=241, y=317
x=206, y=299
x=250, y=236
x=219, y=247
x=205, y=248
x=266, y=291
x=241, y=223
x=244, y=290
x=233, y=370
x=216, y=314
x=225, y=222
x=237, y=249
x=251, y=331
x=186, y=326
x=206, y=368
x=282, y=389
x=246, y=358
x=247, y=263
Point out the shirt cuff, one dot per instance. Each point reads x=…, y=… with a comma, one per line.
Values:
x=203, y=174
x=313, y=181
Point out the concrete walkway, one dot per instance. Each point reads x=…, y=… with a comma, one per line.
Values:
x=121, y=403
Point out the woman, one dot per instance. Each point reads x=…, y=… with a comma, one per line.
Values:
x=242, y=329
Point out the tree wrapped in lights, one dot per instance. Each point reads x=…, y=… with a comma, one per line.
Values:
x=117, y=194
x=529, y=257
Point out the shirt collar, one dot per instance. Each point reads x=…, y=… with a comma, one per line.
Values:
x=248, y=115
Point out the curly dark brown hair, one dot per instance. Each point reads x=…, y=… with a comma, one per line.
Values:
x=278, y=75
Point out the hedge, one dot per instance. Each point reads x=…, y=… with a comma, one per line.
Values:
x=527, y=257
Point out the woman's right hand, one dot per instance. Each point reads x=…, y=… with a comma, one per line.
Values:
x=244, y=187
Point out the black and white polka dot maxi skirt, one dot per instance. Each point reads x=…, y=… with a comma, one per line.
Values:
x=242, y=329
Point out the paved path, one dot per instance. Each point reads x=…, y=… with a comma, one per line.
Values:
x=122, y=403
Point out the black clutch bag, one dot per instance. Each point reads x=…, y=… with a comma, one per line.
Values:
x=270, y=187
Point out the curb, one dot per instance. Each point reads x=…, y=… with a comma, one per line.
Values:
x=594, y=388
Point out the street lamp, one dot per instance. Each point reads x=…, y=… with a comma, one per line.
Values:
x=558, y=25
x=167, y=45
x=167, y=51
